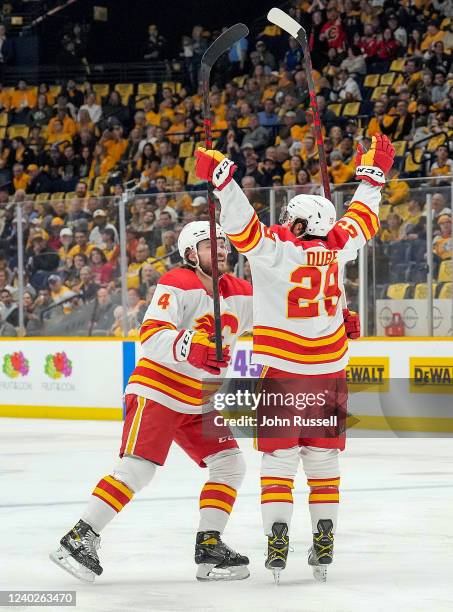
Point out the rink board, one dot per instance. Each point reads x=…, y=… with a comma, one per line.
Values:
x=79, y=378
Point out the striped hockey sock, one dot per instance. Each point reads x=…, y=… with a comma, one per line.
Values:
x=108, y=498
x=276, y=501
x=216, y=503
x=323, y=500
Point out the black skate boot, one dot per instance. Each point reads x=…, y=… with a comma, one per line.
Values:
x=216, y=560
x=320, y=554
x=277, y=549
x=77, y=553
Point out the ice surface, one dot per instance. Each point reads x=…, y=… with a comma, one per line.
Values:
x=394, y=547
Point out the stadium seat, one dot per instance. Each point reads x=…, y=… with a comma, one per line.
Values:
x=173, y=85
x=125, y=90
x=140, y=101
x=69, y=195
x=398, y=65
x=240, y=80
x=58, y=196
x=101, y=90
x=387, y=78
x=55, y=90
x=2, y=133
x=398, y=291
x=400, y=147
x=413, y=164
x=43, y=197
x=371, y=80
x=351, y=109
x=421, y=291
x=18, y=131
x=147, y=89
x=384, y=211
x=186, y=149
x=189, y=164
x=445, y=271
x=446, y=292
x=378, y=92
x=335, y=108
x=3, y=119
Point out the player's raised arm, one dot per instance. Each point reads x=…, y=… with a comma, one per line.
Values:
x=361, y=221
x=238, y=218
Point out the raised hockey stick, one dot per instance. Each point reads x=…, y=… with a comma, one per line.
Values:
x=221, y=44
x=294, y=29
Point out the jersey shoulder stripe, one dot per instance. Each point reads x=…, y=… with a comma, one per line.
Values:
x=181, y=278
x=365, y=219
x=249, y=237
x=230, y=285
x=151, y=327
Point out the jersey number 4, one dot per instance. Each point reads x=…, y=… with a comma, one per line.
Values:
x=319, y=287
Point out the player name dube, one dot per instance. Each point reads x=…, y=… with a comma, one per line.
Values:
x=274, y=421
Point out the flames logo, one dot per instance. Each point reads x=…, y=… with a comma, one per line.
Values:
x=206, y=323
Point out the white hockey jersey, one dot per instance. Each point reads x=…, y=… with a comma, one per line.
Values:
x=182, y=302
x=297, y=284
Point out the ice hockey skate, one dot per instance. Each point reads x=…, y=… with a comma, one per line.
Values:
x=77, y=553
x=216, y=560
x=277, y=549
x=321, y=552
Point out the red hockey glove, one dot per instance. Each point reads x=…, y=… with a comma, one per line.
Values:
x=373, y=165
x=214, y=167
x=199, y=350
x=351, y=324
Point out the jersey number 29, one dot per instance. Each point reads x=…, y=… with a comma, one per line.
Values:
x=319, y=287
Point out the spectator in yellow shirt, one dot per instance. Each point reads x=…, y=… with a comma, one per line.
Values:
x=81, y=244
x=69, y=125
x=141, y=257
x=168, y=246
x=58, y=292
x=172, y=170
x=442, y=245
x=339, y=171
x=114, y=143
x=20, y=178
x=290, y=177
x=22, y=97
x=58, y=135
x=433, y=34
x=394, y=229
x=395, y=191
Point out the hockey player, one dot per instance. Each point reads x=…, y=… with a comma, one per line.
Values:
x=300, y=329
x=164, y=404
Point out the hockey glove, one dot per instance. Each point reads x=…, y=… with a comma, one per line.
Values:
x=214, y=167
x=351, y=324
x=199, y=350
x=373, y=165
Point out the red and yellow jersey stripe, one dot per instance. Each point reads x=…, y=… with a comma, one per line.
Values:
x=365, y=218
x=298, y=349
x=246, y=240
x=151, y=327
x=175, y=385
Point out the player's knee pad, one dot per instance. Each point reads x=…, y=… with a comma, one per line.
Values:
x=135, y=472
x=320, y=462
x=281, y=463
x=227, y=467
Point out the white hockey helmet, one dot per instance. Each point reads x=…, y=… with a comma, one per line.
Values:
x=318, y=212
x=193, y=233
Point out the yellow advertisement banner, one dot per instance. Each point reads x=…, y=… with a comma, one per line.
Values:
x=431, y=374
x=368, y=374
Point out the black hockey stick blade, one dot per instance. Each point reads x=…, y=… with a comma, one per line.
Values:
x=221, y=44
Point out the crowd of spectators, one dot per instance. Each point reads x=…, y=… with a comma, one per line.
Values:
x=67, y=148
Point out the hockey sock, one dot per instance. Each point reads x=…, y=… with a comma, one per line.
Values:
x=323, y=500
x=276, y=501
x=216, y=503
x=108, y=498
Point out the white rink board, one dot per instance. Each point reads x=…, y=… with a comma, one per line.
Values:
x=92, y=379
x=415, y=316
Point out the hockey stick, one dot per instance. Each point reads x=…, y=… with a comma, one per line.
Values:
x=221, y=44
x=294, y=29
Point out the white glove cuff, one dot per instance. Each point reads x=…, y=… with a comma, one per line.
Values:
x=372, y=172
x=222, y=172
x=181, y=346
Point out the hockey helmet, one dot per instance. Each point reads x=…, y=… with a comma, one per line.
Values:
x=318, y=213
x=193, y=233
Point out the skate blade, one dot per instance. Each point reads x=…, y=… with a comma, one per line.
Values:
x=276, y=572
x=320, y=573
x=208, y=572
x=66, y=561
